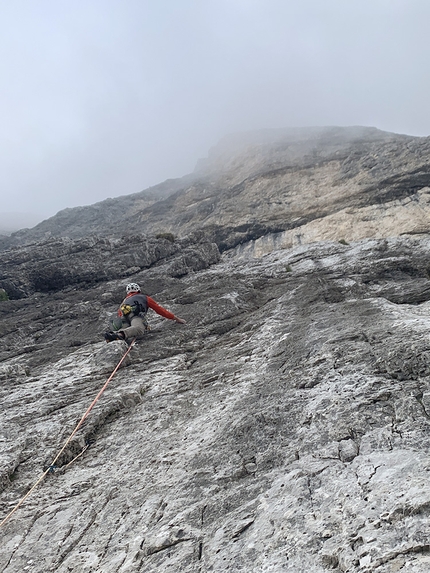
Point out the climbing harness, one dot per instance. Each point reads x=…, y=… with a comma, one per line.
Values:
x=52, y=467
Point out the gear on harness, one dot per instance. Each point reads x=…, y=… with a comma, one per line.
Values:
x=127, y=309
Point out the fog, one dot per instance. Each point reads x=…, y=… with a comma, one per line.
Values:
x=101, y=98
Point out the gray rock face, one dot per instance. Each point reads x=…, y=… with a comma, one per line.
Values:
x=54, y=264
x=103, y=218
x=301, y=185
x=284, y=428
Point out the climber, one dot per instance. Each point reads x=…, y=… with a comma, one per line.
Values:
x=132, y=312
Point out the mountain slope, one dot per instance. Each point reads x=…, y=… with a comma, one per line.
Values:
x=315, y=184
x=285, y=427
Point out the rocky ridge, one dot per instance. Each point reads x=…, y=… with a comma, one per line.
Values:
x=284, y=428
x=299, y=185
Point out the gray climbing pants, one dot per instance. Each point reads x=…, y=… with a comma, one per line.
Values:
x=137, y=328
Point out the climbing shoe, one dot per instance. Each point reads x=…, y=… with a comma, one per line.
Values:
x=110, y=336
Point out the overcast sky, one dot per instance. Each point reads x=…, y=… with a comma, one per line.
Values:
x=101, y=98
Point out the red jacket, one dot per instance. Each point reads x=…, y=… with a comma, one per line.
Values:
x=159, y=309
x=144, y=302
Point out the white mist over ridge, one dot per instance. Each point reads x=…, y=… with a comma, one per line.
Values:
x=14, y=221
x=106, y=98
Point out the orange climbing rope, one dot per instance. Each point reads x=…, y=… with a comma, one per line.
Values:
x=81, y=421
